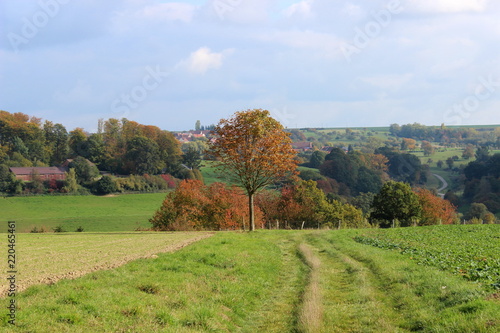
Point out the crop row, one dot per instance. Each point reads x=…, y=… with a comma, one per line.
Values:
x=472, y=251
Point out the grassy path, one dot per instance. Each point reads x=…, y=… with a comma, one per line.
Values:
x=267, y=281
x=352, y=301
x=311, y=314
x=373, y=290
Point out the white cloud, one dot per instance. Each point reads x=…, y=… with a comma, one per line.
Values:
x=202, y=60
x=446, y=6
x=301, y=9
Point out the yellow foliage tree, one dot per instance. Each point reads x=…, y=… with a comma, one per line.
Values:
x=254, y=149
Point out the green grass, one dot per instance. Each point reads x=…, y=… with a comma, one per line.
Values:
x=367, y=289
x=210, y=173
x=74, y=254
x=471, y=251
x=93, y=213
x=231, y=282
x=443, y=156
x=258, y=282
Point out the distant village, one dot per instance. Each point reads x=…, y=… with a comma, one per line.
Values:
x=58, y=173
x=189, y=136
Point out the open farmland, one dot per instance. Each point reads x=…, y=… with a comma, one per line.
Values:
x=472, y=251
x=266, y=281
x=47, y=258
x=110, y=213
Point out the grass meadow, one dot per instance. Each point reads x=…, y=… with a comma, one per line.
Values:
x=265, y=281
x=93, y=213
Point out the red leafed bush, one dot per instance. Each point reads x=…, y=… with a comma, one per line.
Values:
x=434, y=209
x=194, y=206
x=171, y=183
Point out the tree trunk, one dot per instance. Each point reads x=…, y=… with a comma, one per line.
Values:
x=250, y=210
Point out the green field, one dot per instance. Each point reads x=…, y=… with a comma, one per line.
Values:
x=210, y=173
x=471, y=251
x=75, y=254
x=93, y=213
x=266, y=281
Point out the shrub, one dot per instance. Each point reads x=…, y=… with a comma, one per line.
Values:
x=105, y=185
x=35, y=230
x=59, y=228
x=193, y=206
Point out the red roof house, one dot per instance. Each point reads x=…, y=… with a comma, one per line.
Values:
x=46, y=173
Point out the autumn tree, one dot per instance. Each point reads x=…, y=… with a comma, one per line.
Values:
x=468, y=152
x=302, y=202
x=427, y=148
x=435, y=210
x=143, y=156
x=254, y=149
x=408, y=144
x=194, y=206
x=77, y=141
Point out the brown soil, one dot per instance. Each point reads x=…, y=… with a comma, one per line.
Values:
x=28, y=281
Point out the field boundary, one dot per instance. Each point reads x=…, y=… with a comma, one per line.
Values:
x=28, y=281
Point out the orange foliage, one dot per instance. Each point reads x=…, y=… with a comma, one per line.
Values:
x=435, y=210
x=194, y=206
x=255, y=149
x=378, y=162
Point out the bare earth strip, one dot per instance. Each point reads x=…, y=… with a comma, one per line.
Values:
x=48, y=258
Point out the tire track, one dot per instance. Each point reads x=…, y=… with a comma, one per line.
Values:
x=311, y=314
x=353, y=299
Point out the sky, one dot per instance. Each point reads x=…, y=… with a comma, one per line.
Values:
x=311, y=63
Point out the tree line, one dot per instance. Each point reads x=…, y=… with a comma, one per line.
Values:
x=448, y=135
x=297, y=205
x=256, y=151
x=120, y=146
